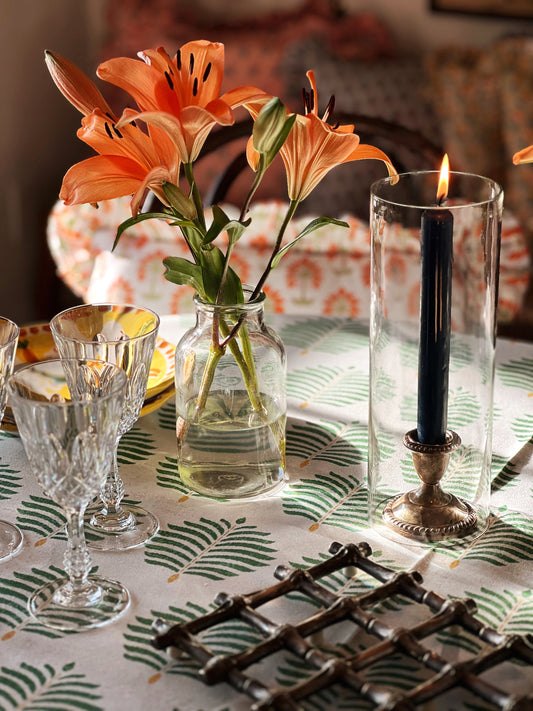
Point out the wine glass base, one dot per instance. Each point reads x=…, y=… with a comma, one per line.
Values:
x=98, y=537
x=111, y=603
x=10, y=540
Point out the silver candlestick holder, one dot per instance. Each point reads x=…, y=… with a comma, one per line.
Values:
x=429, y=513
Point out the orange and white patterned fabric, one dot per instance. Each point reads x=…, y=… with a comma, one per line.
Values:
x=327, y=272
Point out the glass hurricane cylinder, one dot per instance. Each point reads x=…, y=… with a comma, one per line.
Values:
x=434, y=283
x=231, y=402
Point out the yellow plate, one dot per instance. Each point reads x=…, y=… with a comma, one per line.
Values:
x=36, y=343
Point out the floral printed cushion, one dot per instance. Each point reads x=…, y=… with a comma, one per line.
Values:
x=327, y=272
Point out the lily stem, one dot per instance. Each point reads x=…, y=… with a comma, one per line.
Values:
x=288, y=217
x=195, y=193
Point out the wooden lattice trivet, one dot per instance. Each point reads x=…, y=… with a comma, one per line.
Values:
x=445, y=674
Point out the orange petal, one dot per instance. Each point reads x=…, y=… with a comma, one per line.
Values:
x=253, y=104
x=157, y=58
x=246, y=95
x=168, y=123
x=200, y=65
x=105, y=138
x=523, y=156
x=218, y=109
x=101, y=178
x=311, y=150
x=252, y=156
x=363, y=152
x=145, y=83
x=153, y=178
x=311, y=76
x=197, y=122
x=75, y=85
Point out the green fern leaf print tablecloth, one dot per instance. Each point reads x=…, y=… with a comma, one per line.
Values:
x=205, y=547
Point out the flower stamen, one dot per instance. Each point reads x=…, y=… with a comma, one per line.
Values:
x=108, y=131
x=169, y=80
x=191, y=63
x=178, y=59
x=329, y=109
x=307, y=101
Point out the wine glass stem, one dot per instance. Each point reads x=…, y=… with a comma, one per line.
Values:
x=77, y=558
x=113, y=517
x=112, y=491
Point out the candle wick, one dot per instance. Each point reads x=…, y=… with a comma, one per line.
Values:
x=441, y=200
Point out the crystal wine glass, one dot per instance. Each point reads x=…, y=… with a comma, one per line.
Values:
x=67, y=413
x=10, y=535
x=125, y=335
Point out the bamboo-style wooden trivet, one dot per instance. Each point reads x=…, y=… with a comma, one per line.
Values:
x=328, y=670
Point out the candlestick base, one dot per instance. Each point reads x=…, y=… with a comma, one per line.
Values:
x=429, y=513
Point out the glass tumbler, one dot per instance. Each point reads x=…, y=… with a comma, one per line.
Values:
x=434, y=284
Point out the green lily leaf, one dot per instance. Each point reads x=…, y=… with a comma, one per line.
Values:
x=150, y=216
x=233, y=293
x=180, y=202
x=181, y=271
x=221, y=222
x=311, y=227
x=212, y=263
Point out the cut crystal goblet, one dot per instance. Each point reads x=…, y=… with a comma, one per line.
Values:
x=10, y=535
x=125, y=335
x=67, y=413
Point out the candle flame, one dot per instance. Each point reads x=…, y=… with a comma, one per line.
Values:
x=444, y=178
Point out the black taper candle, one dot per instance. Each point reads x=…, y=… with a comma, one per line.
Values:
x=435, y=325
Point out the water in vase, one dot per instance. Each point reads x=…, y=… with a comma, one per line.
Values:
x=230, y=451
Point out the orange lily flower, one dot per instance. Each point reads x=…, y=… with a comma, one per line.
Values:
x=523, y=156
x=129, y=162
x=180, y=95
x=313, y=147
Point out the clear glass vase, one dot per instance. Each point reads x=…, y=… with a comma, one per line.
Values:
x=434, y=287
x=231, y=402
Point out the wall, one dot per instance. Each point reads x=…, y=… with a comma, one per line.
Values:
x=418, y=29
x=37, y=138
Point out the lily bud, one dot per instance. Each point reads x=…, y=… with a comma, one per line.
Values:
x=179, y=201
x=271, y=128
x=75, y=85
